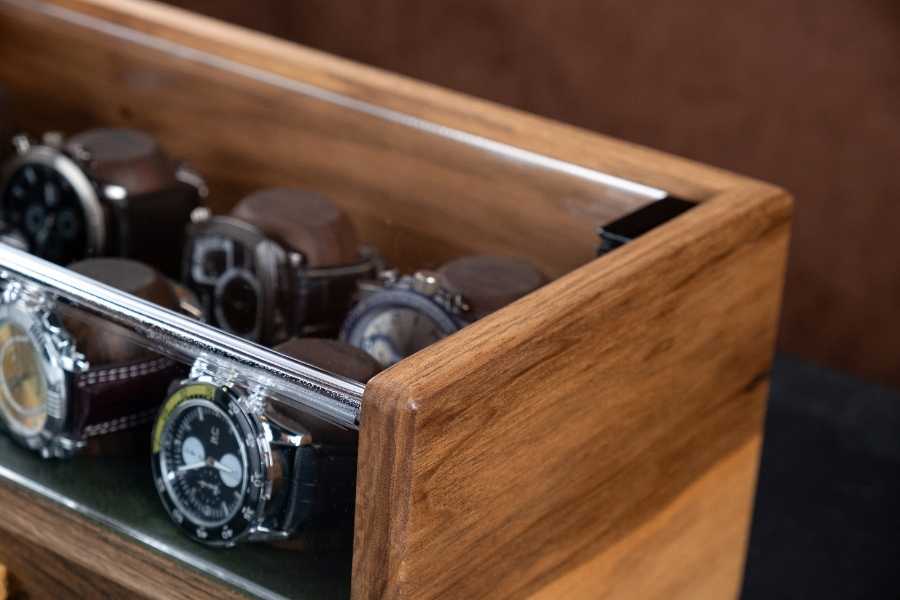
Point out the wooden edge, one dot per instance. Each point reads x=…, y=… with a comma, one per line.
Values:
x=463, y=113
x=406, y=438
x=99, y=550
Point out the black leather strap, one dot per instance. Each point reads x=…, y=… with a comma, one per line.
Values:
x=323, y=296
x=323, y=487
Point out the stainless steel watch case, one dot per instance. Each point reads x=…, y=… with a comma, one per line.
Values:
x=60, y=363
x=269, y=441
x=71, y=165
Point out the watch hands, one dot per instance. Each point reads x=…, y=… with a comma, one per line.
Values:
x=221, y=467
x=192, y=466
x=205, y=463
x=41, y=237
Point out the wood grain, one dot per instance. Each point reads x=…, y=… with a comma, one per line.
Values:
x=102, y=559
x=536, y=447
x=551, y=431
x=420, y=197
x=38, y=574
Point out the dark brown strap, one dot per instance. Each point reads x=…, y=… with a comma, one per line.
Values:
x=333, y=356
x=123, y=396
x=128, y=158
x=150, y=224
x=324, y=296
x=488, y=283
x=303, y=222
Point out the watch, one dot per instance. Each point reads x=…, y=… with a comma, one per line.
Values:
x=284, y=262
x=104, y=192
x=71, y=382
x=230, y=466
x=400, y=315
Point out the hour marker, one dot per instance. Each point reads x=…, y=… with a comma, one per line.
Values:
x=200, y=413
x=30, y=175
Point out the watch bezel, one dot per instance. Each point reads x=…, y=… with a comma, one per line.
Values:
x=59, y=360
x=57, y=160
x=399, y=295
x=251, y=513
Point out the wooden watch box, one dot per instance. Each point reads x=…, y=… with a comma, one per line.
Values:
x=596, y=439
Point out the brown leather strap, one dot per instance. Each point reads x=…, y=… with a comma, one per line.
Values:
x=488, y=283
x=150, y=225
x=126, y=157
x=322, y=235
x=302, y=222
x=123, y=396
x=333, y=356
x=126, y=381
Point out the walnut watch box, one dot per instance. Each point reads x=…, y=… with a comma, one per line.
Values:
x=596, y=438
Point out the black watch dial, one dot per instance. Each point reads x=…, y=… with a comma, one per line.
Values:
x=41, y=205
x=206, y=473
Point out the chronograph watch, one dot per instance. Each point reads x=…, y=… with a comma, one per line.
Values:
x=68, y=384
x=283, y=262
x=103, y=192
x=401, y=315
x=231, y=467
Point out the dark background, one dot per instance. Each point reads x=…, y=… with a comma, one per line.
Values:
x=802, y=94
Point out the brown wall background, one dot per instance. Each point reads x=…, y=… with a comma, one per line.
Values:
x=806, y=95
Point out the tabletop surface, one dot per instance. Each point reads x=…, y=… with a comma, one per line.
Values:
x=826, y=523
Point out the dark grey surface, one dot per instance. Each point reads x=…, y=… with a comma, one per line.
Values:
x=120, y=493
x=827, y=517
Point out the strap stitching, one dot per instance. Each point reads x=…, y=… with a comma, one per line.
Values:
x=121, y=373
x=120, y=423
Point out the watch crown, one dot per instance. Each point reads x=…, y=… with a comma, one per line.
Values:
x=78, y=152
x=426, y=283
x=199, y=215
x=54, y=139
x=21, y=143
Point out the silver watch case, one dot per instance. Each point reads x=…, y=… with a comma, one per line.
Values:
x=60, y=362
x=267, y=440
x=51, y=154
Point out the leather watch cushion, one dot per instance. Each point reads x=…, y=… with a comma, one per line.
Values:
x=303, y=222
x=488, y=283
x=333, y=356
x=103, y=342
x=127, y=157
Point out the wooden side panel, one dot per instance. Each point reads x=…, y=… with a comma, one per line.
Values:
x=37, y=574
x=556, y=431
x=102, y=560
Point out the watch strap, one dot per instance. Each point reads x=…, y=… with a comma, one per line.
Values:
x=121, y=396
x=323, y=296
x=323, y=487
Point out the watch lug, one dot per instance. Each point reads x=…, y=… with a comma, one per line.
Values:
x=21, y=143
x=188, y=176
x=260, y=533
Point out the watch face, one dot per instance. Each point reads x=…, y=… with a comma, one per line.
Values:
x=206, y=463
x=23, y=384
x=222, y=271
x=42, y=205
x=394, y=324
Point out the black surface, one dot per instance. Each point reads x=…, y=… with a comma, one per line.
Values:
x=827, y=516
